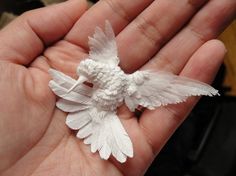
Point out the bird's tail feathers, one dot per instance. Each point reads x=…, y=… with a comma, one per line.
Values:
x=103, y=131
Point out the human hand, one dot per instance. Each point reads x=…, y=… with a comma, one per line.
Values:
x=150, y=34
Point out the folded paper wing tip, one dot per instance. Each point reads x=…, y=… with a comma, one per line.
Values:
x=217, y=93
x=93, y=151
x=105, y=153
x=52, y=72
x=131, y=154
x=51, y=84
x=122, y=161
x=68, y=123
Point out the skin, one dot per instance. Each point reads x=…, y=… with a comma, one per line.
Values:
x=150, y=35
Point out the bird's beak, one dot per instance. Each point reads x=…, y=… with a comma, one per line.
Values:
x=79, y=81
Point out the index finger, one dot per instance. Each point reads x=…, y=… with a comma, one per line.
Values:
x=118, y=12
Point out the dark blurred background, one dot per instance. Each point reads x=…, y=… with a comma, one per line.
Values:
x=205, y=144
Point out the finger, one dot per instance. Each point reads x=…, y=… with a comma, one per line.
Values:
x=118, y=12
x=25, y=37
x=152, y=29
x=160, y=124
x=206, y=25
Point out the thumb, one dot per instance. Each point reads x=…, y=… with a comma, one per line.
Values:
x=25, y=38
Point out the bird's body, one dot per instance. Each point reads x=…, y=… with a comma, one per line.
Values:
x=109, y=82
x=92, y=110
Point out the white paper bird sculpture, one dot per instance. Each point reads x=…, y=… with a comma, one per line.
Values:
x=92, y=110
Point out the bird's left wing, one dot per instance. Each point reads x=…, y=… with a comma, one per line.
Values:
x=103, y=46
x=78, y=99
x=152, y=90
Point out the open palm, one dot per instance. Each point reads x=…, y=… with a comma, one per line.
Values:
x=150, y=34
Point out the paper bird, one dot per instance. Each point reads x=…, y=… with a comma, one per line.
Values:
x=92, y=110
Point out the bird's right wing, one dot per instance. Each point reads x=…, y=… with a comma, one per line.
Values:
x=103, y=46
x=152, y=90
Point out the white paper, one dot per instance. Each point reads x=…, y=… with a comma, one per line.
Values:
x=92, y=111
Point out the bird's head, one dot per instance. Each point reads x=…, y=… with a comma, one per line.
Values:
x=87, y=68
x=87, y=71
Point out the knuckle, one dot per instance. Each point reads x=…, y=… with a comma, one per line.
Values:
x=163, y=62
x=119, y=9
x=196, y=3
x=197, y=32
x=150, y=30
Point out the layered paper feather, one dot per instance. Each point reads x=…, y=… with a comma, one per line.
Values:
x=155, y=89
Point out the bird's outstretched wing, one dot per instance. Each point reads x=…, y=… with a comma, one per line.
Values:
x=103, y=131
x=79, y=98
x=158, y=89
x=103, y=46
